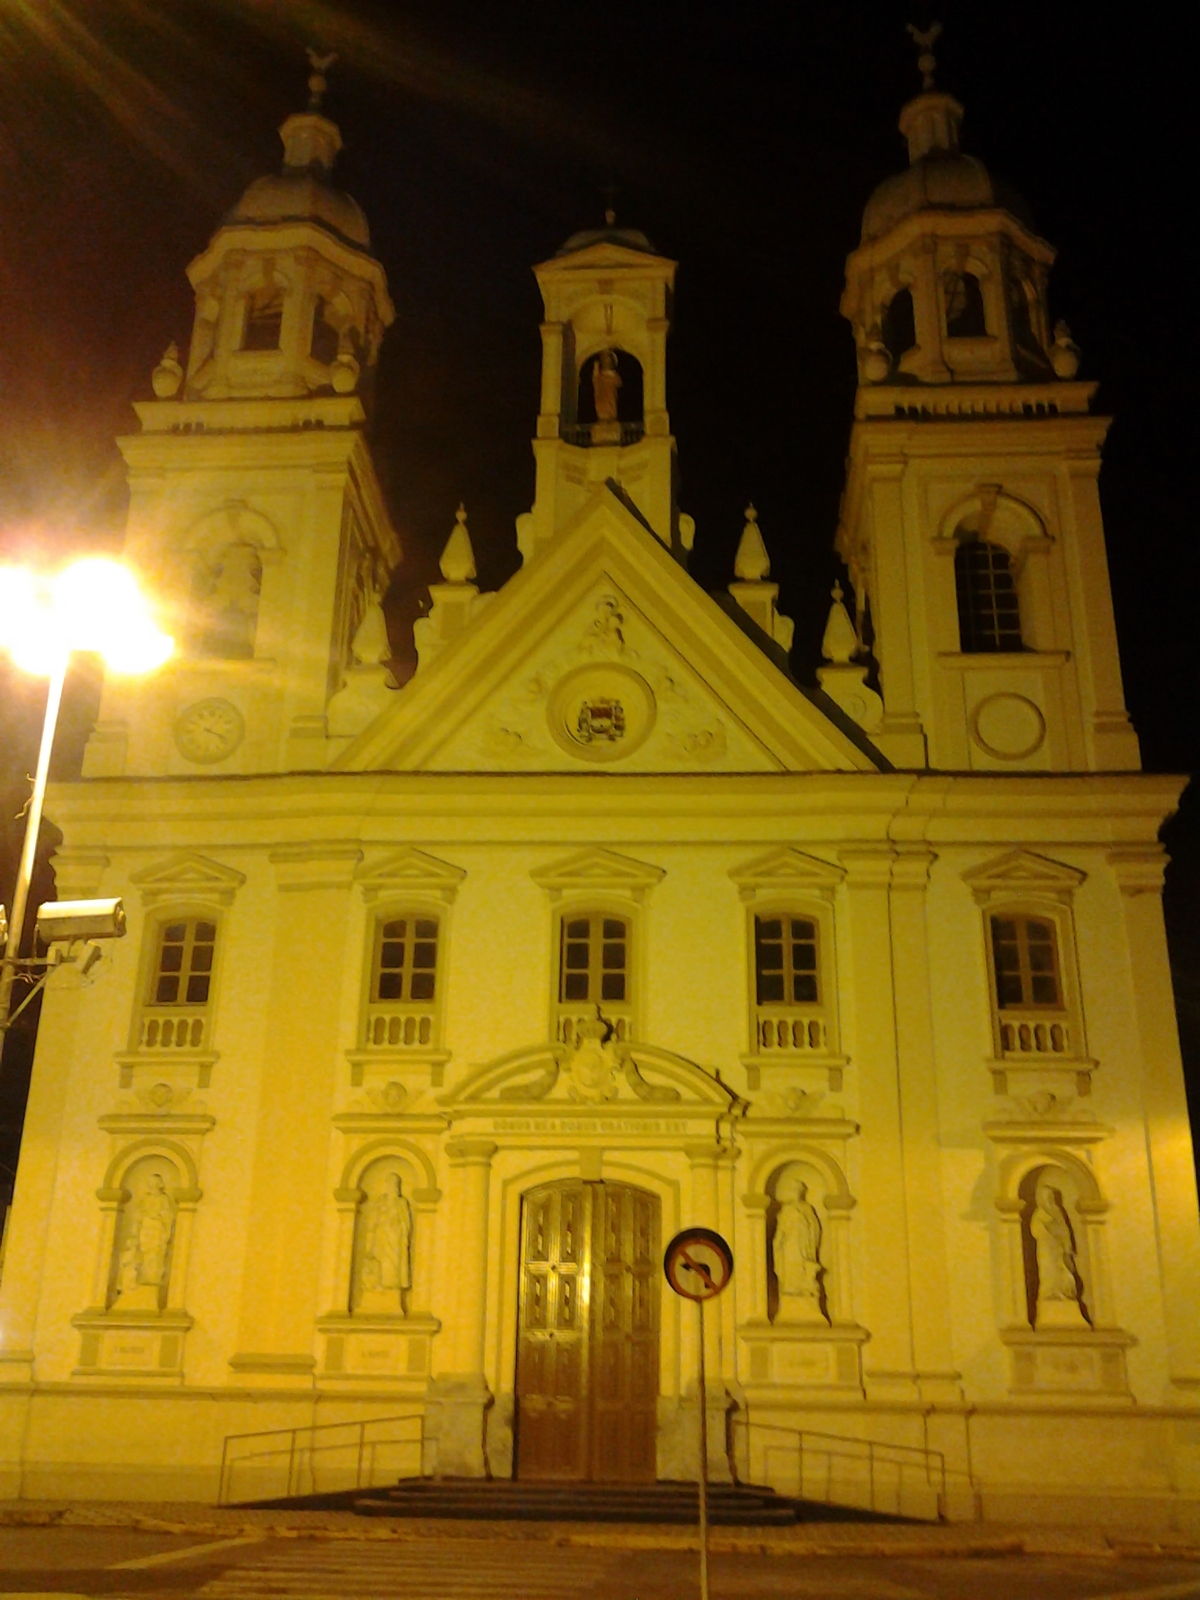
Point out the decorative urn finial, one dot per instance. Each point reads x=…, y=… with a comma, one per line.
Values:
x=458, y=558
x=752, y=563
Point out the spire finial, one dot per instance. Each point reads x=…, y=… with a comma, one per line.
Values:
x=925, y=39
x=458, y=558
x=752, y=563
x=316, y=80
x=610, y=206
x=841, y=642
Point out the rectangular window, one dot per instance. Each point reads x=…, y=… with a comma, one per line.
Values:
x=183, y=971
x=785, y=961
x=406, y=959
x=264, y=320
x=1025, y=956
x=594, y=960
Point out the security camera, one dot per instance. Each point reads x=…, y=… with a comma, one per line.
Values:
x=66, y=920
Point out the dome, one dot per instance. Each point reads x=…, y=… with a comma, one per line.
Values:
x=631, y=238
x=305, y=196
x=943, y=180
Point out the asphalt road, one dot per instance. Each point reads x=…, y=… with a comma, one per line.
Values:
x=79, y=1561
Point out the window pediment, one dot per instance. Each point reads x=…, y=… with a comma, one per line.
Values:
x=599, y=870
x=787, y=872
x=1023, y=872
x=188, y=876
x=412, y=871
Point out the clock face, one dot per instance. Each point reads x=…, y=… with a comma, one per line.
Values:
x=209, y=731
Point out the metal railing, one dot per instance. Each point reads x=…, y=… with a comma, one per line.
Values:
x=282, y=1463
x=864, y=1474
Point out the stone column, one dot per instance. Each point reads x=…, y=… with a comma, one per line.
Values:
x=424, y=1250
x=705, y=1160
x=865, y=970
x=111, y=1201
x=186, y=1201
x=754, y=1271
x=839, y=1285
x=459, y=1398
x=1171, y=1192
x=347, y=1202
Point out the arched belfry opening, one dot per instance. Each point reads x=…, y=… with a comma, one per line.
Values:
x=611, y=390
x=899, y=326
x=965, y=315
x=989, y=610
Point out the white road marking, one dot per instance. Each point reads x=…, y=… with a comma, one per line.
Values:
x=166, y=1556
x=413, y=1571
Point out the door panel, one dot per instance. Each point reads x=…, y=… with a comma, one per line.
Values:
x=587, y=1346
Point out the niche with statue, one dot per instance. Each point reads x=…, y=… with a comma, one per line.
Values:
x=145, y=1233
x=1063, y=1340
x=382, y=1329
x=381, y=1276
x=136, y=1325
x=801, y=1334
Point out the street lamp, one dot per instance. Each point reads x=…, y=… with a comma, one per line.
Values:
x=94, y=605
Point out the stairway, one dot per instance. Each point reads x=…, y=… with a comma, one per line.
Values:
x=514, y=1499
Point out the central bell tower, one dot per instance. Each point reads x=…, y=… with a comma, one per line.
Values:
x=603, y=414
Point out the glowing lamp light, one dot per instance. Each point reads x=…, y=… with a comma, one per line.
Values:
x=94, y=604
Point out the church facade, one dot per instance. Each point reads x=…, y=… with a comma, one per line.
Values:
x=443, y=1007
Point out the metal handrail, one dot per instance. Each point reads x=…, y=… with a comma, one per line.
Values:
x=301, y=1458
x=874, y=1452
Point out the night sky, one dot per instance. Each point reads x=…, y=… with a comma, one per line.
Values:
x=744, y=138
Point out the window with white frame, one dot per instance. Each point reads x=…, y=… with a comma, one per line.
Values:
x=175, y=1015
x=1027, y=973
x=789, y=1005
x=402, y=1004
x=594, y=971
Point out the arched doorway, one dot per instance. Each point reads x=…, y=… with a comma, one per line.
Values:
x=587, y=1340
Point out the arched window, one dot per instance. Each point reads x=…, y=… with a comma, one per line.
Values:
x=965, y=317
x=402, y=1003
x=179, y=987
x=898, y=326
x=325, y=337
x=610, y=392
x=989, y=616
x=264, y=319
x=594, y=971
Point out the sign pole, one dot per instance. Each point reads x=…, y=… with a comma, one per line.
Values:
x=703, y=1479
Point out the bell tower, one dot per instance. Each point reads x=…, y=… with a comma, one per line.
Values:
x=255, y=510
x=603, y=413
x=971, y=519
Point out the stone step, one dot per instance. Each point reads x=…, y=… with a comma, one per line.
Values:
x=521, y=1500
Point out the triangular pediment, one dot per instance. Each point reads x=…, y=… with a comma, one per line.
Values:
x=412, y=870
x=600, y=1077
x=598, y=868
x=187, y=875
x=603, y=655
x=787, y=871
x=1022, y=871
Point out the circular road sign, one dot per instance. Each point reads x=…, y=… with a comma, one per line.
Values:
x=698, y=1264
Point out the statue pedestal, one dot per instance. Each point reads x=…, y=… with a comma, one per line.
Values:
x=803, y=1354
x=1061, y=1364
x=380, y=1303
x=133, y=1344
x=141, y=1297
x=375, y=1346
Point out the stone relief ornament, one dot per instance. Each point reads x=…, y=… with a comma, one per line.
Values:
x=796, y=1252
x=592, y=1069
x=385, y=1255
x=144, y=1244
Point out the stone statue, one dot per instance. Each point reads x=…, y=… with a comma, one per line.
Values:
x=387, y=1246
x=606, y=381
x=1058, y=1281
x=228, y=592
x=142, y=1263
x=796, y=1254
x=153, y=1220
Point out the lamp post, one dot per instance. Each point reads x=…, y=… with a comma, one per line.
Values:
x=94, y=605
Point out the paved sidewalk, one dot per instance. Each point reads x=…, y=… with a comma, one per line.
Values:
x=891, y=1540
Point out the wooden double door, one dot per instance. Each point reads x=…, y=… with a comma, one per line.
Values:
x=587, y=1344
